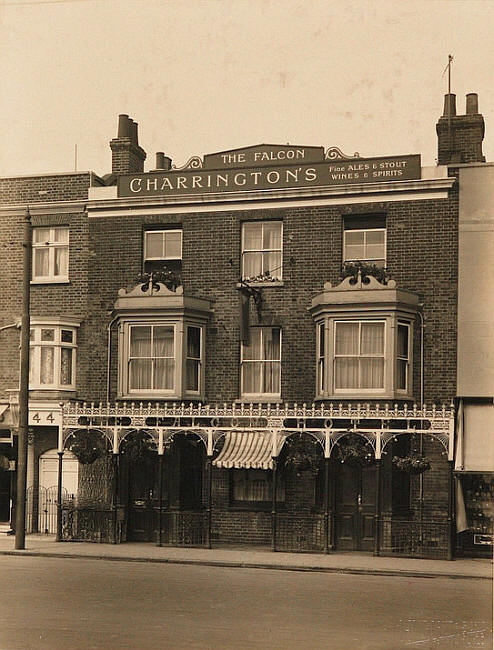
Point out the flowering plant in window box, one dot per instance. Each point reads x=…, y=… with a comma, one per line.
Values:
x=355, y=451
x=170, y=278
x=413, y=463
x=301, y=455
x=352, y=269
x=87, y=446
x=264, y=278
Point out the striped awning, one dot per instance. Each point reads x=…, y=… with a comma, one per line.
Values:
x=246, y=450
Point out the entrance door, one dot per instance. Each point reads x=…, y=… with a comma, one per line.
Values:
x=355, y=507
x=141, y=476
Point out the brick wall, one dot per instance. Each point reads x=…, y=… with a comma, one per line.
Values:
x=422, y=251
x=47, y=300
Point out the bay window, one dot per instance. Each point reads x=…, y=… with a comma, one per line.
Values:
x=261, y=363
x=161, y=358
x=364, y=340
x=52, y=355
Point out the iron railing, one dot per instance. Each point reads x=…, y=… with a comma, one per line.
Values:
x=300, y=532
x=183, y=528
x=91, y=524
x=426, y=539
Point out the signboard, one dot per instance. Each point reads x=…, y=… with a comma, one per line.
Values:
x=263, y=154
x=351, y=171
x=44, y=417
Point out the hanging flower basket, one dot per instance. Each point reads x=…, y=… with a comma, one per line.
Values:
x=413, y=463
x=300, y=457
x=355, y=451
x=138, y=446
x=87, y=446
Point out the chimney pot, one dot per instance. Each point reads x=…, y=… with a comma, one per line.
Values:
x=472, y=104
x=449, y=105
x=133, y=132
x=160, y=160
x=163, y=163
x=123, y=126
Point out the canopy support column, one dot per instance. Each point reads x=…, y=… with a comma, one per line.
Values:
x=59, y=496
x=273, y=507
x=451, y=510
x=377, y=516
x=326, y=490
x=115, y=467
x=161, y=451
x=209, y=479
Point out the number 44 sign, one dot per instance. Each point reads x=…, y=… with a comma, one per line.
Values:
x=42, y=417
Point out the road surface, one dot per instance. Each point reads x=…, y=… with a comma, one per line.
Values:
x=72, y=604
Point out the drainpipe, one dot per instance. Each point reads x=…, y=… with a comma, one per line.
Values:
x=108, y=362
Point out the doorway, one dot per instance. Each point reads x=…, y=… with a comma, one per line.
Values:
x=48, y=487
x=355, y=505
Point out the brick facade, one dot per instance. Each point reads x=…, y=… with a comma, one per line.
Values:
x=106, y=254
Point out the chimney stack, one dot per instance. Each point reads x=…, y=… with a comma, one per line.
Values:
x=127, y=156
x=460, y=136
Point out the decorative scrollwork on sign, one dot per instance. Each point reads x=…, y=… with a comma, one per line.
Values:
x=195, y=162
x=334, y=153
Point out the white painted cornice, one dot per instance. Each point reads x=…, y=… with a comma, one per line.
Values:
x=415, y=190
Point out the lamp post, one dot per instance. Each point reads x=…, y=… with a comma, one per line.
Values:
x=20, y=510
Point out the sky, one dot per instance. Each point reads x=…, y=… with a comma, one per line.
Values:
x=201, y=76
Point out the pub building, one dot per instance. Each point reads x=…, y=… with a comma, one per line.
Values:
x=275, y=345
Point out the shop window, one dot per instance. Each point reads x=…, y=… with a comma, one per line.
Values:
x=161, y=358
x=254, y=487
x=261, y=250
x=261, y=364
x=163, y=249
x=364, y=240
x=52, y=357
x=50, y=254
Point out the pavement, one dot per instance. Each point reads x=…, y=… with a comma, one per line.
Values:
x=252, y=557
